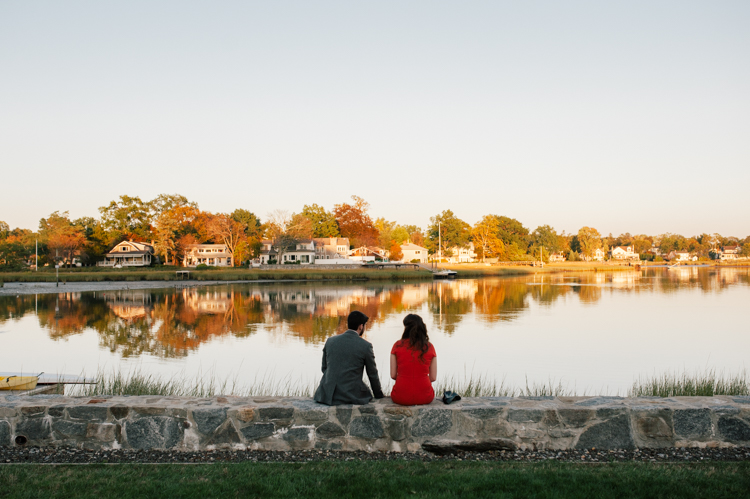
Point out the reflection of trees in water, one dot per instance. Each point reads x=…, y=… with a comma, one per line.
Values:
x=168, y=323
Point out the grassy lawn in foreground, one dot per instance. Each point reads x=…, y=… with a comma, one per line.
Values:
x=379, y=479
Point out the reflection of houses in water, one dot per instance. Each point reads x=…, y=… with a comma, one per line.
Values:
x=128, y=305
x=212, y=302
x=459, y=290
x=625, y=280
x=413, y=296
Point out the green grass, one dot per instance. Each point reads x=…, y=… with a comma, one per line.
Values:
x=684, y=384
x=379, y=479
x=137, y=382
x=94, y=274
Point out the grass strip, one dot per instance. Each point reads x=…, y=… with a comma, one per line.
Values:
x=379, y=479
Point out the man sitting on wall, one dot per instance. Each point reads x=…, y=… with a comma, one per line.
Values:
x=344, y=357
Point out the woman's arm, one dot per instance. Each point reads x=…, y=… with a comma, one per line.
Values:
x=433, y=370
x=394, y=366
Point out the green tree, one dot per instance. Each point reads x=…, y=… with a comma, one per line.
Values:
x=4, y=230
x=253, y=225
x=323, y=222
x=64, y=239
x=128, y=218
x=450, y=230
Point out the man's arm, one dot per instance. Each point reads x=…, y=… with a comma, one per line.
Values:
x=324, y=358
x=372, y=373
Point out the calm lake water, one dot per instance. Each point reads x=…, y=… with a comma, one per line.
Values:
x=594, y=332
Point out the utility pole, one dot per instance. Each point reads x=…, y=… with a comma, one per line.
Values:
x=36, y=255
x=440, y=244
x=57, y=271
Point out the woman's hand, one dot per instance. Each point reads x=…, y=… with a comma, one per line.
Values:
x=394, y=367
x=433, y=370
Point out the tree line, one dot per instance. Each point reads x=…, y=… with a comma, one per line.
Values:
x=172, y=223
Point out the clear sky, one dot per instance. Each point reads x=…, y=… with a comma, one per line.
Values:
x=625, y=116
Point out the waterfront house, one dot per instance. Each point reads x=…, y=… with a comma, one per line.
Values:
x=214, y=255
x=557, y=257
x=729, y=253
x=623, y=253
x=413, y=252
x=598, y=256
x=369, y=254
x=302, y=253
x=129, y=254
x=331, y=248
x=680, y=256
x=462, y=254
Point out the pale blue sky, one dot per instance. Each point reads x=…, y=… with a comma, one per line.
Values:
x=625, y=116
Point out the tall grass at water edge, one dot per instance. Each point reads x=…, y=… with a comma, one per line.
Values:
x=136, y=382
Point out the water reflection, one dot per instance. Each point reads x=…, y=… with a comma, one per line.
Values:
x=171, y=324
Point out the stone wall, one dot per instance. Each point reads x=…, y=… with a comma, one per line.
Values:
x=273, y=423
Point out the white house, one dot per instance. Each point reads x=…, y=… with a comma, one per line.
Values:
x=368, y=254
x=598, y=255
x=129, y=254
x=303, y=253
x=331, y=248
x=680, y=256
x=557, y=257
x=460, y=254
x=413, y=252
x=214, y=255
x=729, y=253
x=624, y=253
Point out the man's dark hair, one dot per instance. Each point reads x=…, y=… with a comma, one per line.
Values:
x=356, y=319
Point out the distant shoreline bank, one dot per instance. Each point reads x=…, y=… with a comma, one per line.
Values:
x=84, y=280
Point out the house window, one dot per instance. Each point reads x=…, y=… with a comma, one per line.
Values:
x=123, y=248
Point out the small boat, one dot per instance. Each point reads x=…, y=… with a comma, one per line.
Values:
x=445, y=274
x=18, y=382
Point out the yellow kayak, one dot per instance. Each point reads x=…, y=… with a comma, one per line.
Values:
x=18, y=382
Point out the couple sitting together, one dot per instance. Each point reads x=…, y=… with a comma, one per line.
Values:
x=413, y=365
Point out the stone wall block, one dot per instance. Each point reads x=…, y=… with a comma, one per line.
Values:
x=329, y=430
x=153, y=432
x=432, y=423
x=208, y=419
x=733, y=430
x=119, y=411
x=4, y=433
x=575, y=418
x=367, y=409
x=654, y=429
x=256, y=431
x=33, y=410
x=398, y=410
x=8, y=412
x=366, y=427
x=150, y=410
x=308, y=412
x=344, y=414
x=244, y=414
x=611, y=412
x=396, y=427
x=484, y=412
x=468, y=426
x=612, y=434
x=693, y=424
x=299, y=434
x=88, y=412
x=274, y=413
x=34, y=429
x=226, y=435
x=525, y=415
x=69, y=428
x=498, y=428
x=56, y=411
x=104, y=432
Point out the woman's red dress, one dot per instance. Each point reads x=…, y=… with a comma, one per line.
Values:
x=413, y=386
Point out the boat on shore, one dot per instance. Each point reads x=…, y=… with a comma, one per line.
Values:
x=18, y=382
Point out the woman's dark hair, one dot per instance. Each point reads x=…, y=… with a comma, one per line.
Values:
x=416, y=332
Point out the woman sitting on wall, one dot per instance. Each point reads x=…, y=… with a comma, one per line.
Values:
x=413, y=364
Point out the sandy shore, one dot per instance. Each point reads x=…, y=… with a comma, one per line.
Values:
x=38, y=288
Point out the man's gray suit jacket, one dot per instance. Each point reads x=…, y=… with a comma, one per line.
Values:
x=344, y=357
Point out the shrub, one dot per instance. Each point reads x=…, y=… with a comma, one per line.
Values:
x=416, y=260
x=202, y=266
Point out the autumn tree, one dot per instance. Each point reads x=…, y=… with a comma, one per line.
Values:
x=394, y=249
x=251, y=246
x=544, y=239
x=448, y=229
x=485, y=235
x=4, y=230
x=63, y=238
x=586, y=242
x=355, y=223
x=323, y=222
x=224, y=229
